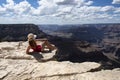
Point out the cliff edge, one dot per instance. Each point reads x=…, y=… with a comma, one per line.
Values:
x=16, y=65
x=18, y=32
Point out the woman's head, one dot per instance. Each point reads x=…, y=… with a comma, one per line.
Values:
x=31, y=36
x=31, y=39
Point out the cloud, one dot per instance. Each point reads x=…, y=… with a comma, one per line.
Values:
x=2, y=10
x=92, y=13
x=65, y=9
x=22, y=7
x=116, y=2
x=12, y=8
x=44, y=10
x=58, y=11
x=107, y=8
x=46, y=7
x=73, y=2
x=89, y=3
x=11, y=2
x=66, y=2
x=117, y=10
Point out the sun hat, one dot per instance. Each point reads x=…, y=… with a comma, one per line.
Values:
x=31, y=36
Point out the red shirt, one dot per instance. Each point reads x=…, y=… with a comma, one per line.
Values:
x=37, y=49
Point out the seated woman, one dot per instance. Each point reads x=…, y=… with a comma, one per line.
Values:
x=36, y=47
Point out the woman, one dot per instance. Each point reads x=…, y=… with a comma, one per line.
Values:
x=38, y=48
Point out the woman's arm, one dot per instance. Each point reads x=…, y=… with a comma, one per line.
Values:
x=27, y=50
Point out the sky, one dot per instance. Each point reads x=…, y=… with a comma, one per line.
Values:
x=59, y=11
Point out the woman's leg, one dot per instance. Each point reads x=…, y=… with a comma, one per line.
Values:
x=49, y=46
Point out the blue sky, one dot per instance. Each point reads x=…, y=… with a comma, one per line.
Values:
x=59, y=11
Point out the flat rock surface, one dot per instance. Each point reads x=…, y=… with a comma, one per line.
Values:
x=16, y=65
x=16, y=50
x=19, y=69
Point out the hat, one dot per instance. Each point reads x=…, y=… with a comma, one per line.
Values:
x=31, y=36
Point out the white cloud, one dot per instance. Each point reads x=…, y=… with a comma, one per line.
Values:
x=2, y=10
x=107, y=8
x=65, y=2
x=46, y=10
x=86, y=9
x=65, y=9
x=22, y=7
x=14, y=9
x=46, y=7
x=89, y=3
x=78, y=3
x=10, y=4
x=116, y=2
x=117, y=10
x=57, y=11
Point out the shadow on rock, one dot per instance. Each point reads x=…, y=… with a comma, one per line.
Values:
x=36, y=55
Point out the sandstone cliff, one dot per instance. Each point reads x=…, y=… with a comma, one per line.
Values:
x=80, y=60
